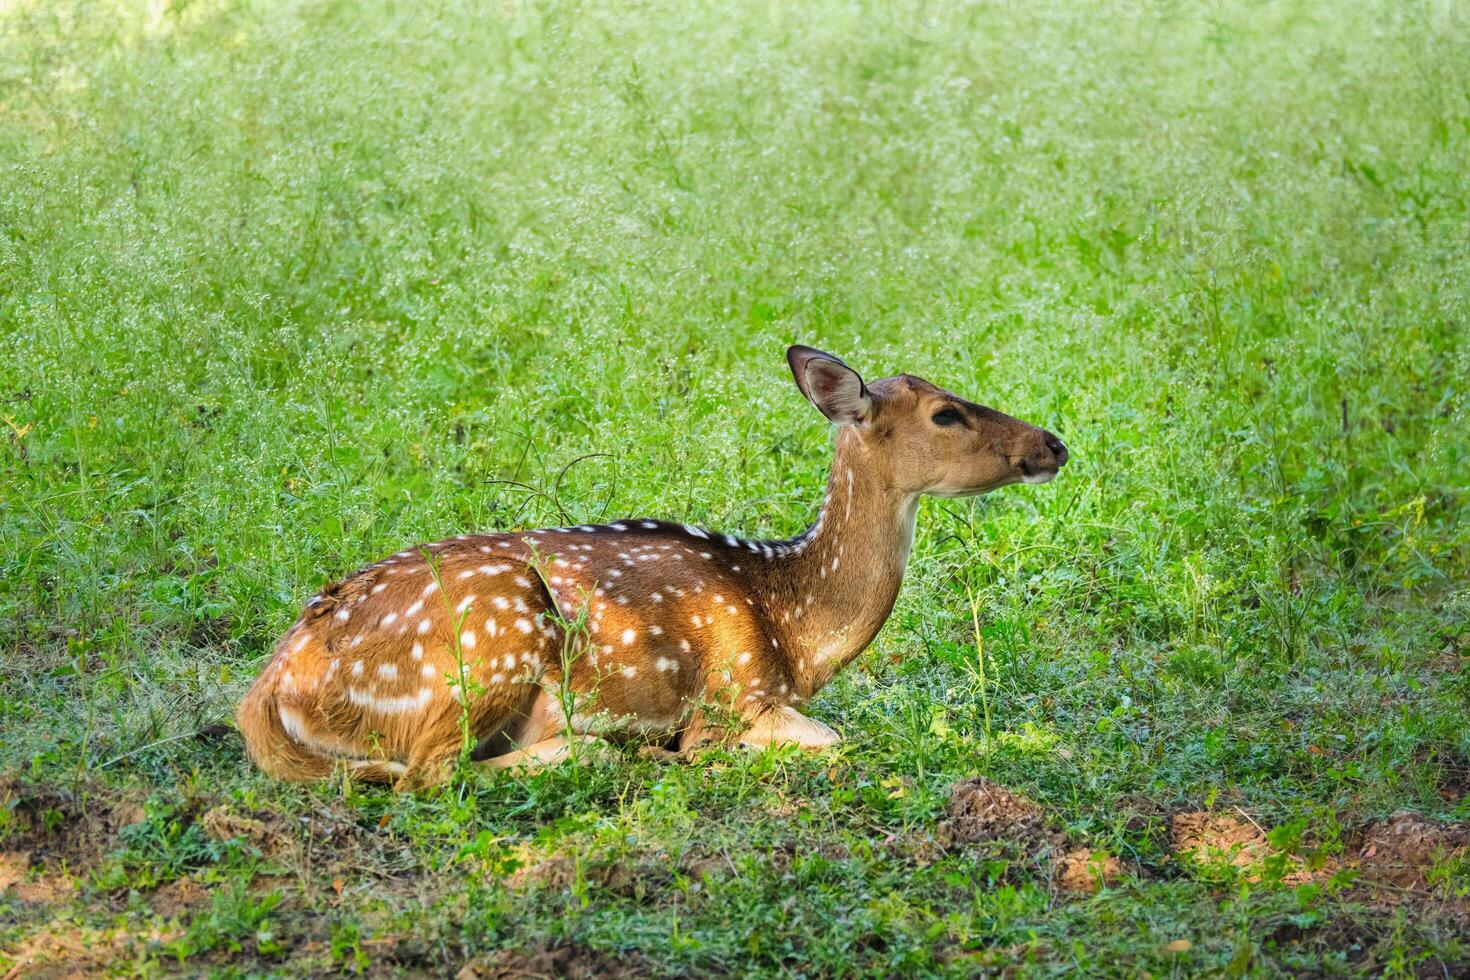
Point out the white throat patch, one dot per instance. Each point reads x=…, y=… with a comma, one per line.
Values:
x=908, y=515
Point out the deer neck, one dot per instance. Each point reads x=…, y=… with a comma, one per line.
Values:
x=837, y=582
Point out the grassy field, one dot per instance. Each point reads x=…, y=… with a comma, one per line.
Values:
x=287, y=286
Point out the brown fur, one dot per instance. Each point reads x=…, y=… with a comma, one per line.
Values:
x=657, y=629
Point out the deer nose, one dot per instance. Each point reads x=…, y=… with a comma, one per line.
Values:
x=1057, y=449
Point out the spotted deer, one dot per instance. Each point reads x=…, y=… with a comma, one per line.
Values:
x=657, y=629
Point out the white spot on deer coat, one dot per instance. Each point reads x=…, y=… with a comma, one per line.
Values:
x=391, y=705
x=293, y=724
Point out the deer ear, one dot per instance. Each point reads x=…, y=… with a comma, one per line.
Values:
x=836, y=389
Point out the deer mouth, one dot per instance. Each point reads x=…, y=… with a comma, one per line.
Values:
x=1037, y=474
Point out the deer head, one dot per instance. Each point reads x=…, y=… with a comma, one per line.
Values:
x=918, y=438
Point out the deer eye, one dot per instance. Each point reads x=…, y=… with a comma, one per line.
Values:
x=948, y=416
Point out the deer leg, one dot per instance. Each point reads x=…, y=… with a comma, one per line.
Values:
x=784, y=725
x=774, y=725
x=544, y=753
x=550, y=751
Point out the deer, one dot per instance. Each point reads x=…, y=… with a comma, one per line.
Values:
x=533, y=644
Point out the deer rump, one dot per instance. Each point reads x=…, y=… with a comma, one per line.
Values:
x=390, y=670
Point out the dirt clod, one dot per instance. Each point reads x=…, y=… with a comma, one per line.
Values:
x=271, y=835
x=179, y=898
x=573, y=961
x=630, y=876
x=1393, y=858
x=221, y=823
x=1400, y=850
x=14, y=868
x=1083, y=871
x=1206, y=836
x=981, y=810
x=554, y=873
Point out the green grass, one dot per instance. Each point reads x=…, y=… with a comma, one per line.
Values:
x=286, y=287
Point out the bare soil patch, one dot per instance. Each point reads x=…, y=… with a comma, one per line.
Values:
x=64, y=831
x=1401, y=850
x=19, y=880
x=980, y=810
x=553, y=873
x=72, y=950
x=272, y=835
x=179, y=898
x=329, y=840
x=641, y=876
x=1221, y=836
x=1393, y=858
